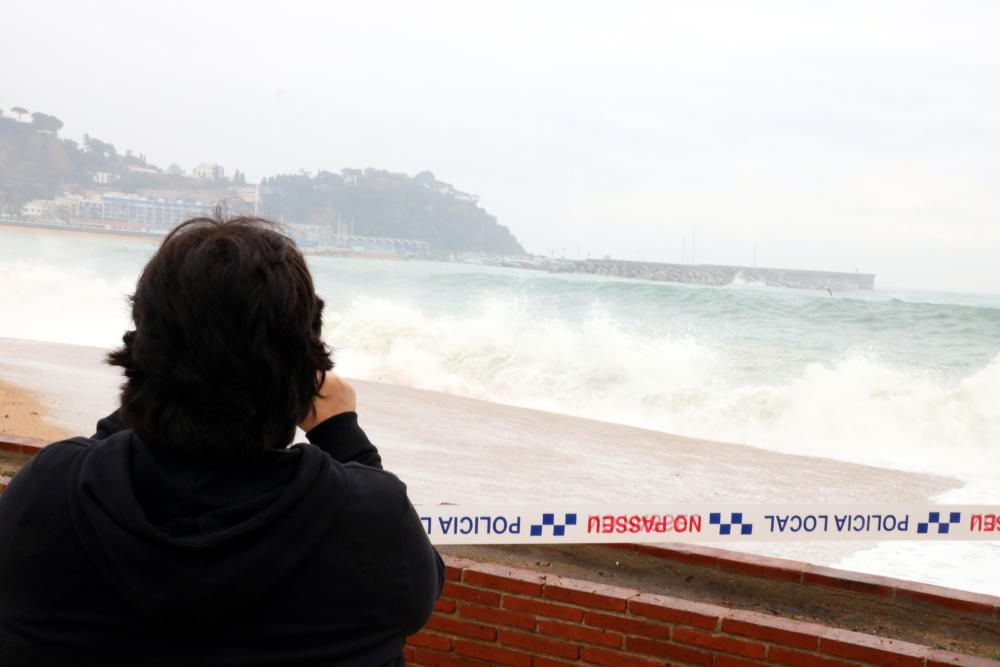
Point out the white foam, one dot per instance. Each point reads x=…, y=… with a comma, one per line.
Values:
x=852, y=408
x=62, y=304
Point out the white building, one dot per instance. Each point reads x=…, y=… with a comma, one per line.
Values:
x=127, y=211
x=105, y=177
x=209, y=170
x=39, y=208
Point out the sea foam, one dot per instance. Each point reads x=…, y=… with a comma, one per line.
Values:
x=854, y=407
x=617, y=355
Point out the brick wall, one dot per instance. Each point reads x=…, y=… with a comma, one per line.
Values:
x=19, y=446
x=490, y=614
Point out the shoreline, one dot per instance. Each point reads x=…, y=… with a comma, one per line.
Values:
x=24, y=413
x=77, y=233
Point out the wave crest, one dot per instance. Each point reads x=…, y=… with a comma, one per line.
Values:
x=855, y=408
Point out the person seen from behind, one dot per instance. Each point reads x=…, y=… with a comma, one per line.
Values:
x=186, y=531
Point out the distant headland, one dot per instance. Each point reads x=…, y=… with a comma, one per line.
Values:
x=50, y=181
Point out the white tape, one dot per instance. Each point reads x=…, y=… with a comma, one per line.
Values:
x=571, y=524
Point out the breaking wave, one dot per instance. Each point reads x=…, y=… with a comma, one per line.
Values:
x=678, y=359
x=854, y=407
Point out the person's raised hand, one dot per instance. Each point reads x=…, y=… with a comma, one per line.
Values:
x=335, y=397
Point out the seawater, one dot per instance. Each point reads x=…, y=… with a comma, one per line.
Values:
x=904, y=379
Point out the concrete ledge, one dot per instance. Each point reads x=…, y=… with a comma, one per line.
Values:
x=807, y=574
x=17, y=444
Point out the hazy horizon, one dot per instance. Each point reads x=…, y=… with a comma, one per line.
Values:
x=857, y=137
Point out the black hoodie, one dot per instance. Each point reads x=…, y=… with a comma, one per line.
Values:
x=116, y=552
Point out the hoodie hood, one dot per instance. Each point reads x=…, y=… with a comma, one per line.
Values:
x=188, y=544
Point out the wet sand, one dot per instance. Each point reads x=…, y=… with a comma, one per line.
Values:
x=452, y=449
x=22, y=413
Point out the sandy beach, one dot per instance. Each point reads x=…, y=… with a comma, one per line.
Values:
x=22, y=413
x=78, y=233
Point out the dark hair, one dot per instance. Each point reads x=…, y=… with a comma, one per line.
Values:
x=226, y=355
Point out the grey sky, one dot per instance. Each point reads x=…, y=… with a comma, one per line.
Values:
x=829, y=135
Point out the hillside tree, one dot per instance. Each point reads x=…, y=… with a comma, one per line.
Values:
x=43, y=121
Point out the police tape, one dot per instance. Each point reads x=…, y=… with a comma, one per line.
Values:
x=649, y=524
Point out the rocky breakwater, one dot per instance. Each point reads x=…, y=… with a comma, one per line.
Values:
x=714, y=274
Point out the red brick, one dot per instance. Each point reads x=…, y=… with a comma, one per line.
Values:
x=493, y=654
x=762, y=566
x=539, y=661
x=579, y=633
x=9, y=446
x=675, y=610
x=444, y=605
x=17, y=444
x=857, y=646
x=541, y=608
x=428, y=640
x=454, y=565
x=719, y=642
x=868, y=584
x=454, y=626
x=733, y=661
x=773, y=629
x=408, y=653
x=693, y=637
x=680, y=553
x=537, y=644
x=784, y=656
x=627, y=625
x=738, y=647
x=460, y=592
x=949, y=598
x=506, y=579
x=586, y=594
x=432, y=659
x=668, y=650
x=496, y=616
x=598, y=656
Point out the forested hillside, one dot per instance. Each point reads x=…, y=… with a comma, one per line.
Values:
x=379, y=203
x=35, y=163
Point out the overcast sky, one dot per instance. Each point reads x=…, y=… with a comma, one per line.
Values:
x=847, y=135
